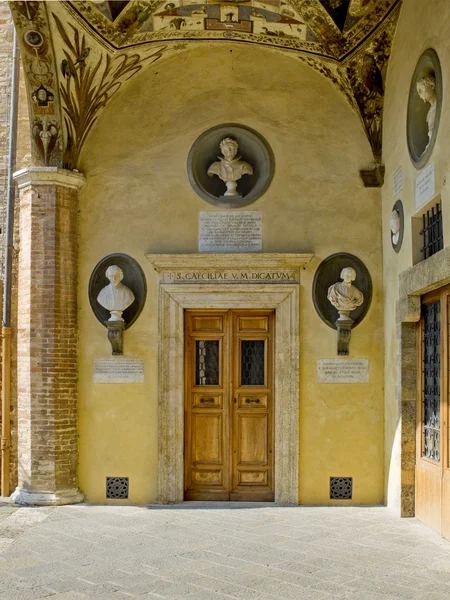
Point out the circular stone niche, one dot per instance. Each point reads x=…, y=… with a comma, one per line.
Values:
x=328, y=273
x=133, y=278
x=419, y=145
x=397, y=221
x=253, y=149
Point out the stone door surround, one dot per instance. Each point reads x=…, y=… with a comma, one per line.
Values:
x=260, y=281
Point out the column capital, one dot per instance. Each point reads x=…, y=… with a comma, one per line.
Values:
x=32, y=176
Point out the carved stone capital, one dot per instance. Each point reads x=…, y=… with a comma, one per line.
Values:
x=32, y=176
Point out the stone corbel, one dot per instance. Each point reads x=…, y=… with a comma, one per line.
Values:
x=344, y=332
x=115, y=336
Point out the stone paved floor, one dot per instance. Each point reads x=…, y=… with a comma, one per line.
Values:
x=219, y=552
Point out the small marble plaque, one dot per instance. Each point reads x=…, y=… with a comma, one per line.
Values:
x=118, y=370
x=425, y=187
x=342, y=370
x=230, y=231
x=397, y=182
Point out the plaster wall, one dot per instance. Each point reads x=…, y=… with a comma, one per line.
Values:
x=421, y=26
x=137, y=199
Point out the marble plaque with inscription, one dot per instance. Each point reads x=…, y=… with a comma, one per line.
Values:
x=425, y=186
x=118, y=370
x=342, y=370
x=228, y=231
x=397, y=182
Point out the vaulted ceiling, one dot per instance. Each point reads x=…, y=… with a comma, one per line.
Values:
x=325, y=27
x=77, y=54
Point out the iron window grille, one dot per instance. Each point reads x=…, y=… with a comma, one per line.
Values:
x=431, y=232
x=431, y=402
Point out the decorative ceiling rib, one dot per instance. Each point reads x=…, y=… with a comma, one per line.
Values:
x=77, y=54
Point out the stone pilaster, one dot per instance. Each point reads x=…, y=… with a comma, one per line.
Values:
x=47, y=337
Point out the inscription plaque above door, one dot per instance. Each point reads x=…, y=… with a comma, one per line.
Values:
x=229, y=405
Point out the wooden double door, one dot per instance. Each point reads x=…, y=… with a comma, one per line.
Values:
x=228, y=451
x=433, y=412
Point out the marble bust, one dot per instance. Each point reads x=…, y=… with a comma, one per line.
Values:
x=426, y=88
x=230, y=168
x=116, y=296
x=344, y=295
x=395, y=225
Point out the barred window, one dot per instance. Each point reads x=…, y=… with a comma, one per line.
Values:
x=431, y=232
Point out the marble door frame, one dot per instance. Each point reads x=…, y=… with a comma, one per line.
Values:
x=196, y=282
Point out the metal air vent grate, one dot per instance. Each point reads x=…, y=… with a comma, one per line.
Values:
x=117, y=488
x=341, y=488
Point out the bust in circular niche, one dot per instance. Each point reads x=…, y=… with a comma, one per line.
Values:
x=344, y=295
x=395, y=226
x=230, y=168
x=426, y=88
x=116, y=296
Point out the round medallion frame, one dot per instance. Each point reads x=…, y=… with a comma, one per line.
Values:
x=133, y=277
x=416, y=124
x=398, y=206
x=327, y=274
x=253, y=148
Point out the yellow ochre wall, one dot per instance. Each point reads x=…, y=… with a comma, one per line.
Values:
x=137, y=200
x=421, y=26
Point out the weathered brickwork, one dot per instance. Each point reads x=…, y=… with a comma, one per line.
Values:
x=6, y=47
x=47, y=338
x=23, y=157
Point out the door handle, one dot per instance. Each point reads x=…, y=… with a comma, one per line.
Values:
x=203, y=400
x=252, y=400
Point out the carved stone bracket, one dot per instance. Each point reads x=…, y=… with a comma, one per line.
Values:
x=115, y=336
x=344, y=332
x=373, y=178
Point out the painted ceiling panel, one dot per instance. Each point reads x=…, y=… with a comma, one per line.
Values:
x=78, y=54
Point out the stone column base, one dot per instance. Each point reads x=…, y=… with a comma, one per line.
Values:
x=26, y=497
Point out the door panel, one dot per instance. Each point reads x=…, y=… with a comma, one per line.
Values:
x=228, y=407
x=252, y=439
x=207, y=439
x=206, y=411
x=252, y=458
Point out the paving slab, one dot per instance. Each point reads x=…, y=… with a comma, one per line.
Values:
x=219, y=551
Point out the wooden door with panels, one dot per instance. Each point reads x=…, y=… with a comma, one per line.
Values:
x=432, y=441
x=228, y=450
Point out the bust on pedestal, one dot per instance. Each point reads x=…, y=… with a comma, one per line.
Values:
x=230, y=168
x=345, y=297
x=115, y=297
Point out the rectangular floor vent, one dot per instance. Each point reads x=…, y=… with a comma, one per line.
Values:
x=117, y=488
x=341, y=488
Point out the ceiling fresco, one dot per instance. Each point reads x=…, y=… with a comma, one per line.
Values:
x=326, y=27
x=77, y=54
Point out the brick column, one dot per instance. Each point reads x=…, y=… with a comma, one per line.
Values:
x=47, y=337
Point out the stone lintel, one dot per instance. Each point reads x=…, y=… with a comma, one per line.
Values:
x=32, y=176
x=425, y=276
x=247, y=260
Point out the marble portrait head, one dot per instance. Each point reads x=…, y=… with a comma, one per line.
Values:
x=229, y=148
x=114, y=274
x=426, y=88
x=348, y=274
x=395, y=225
